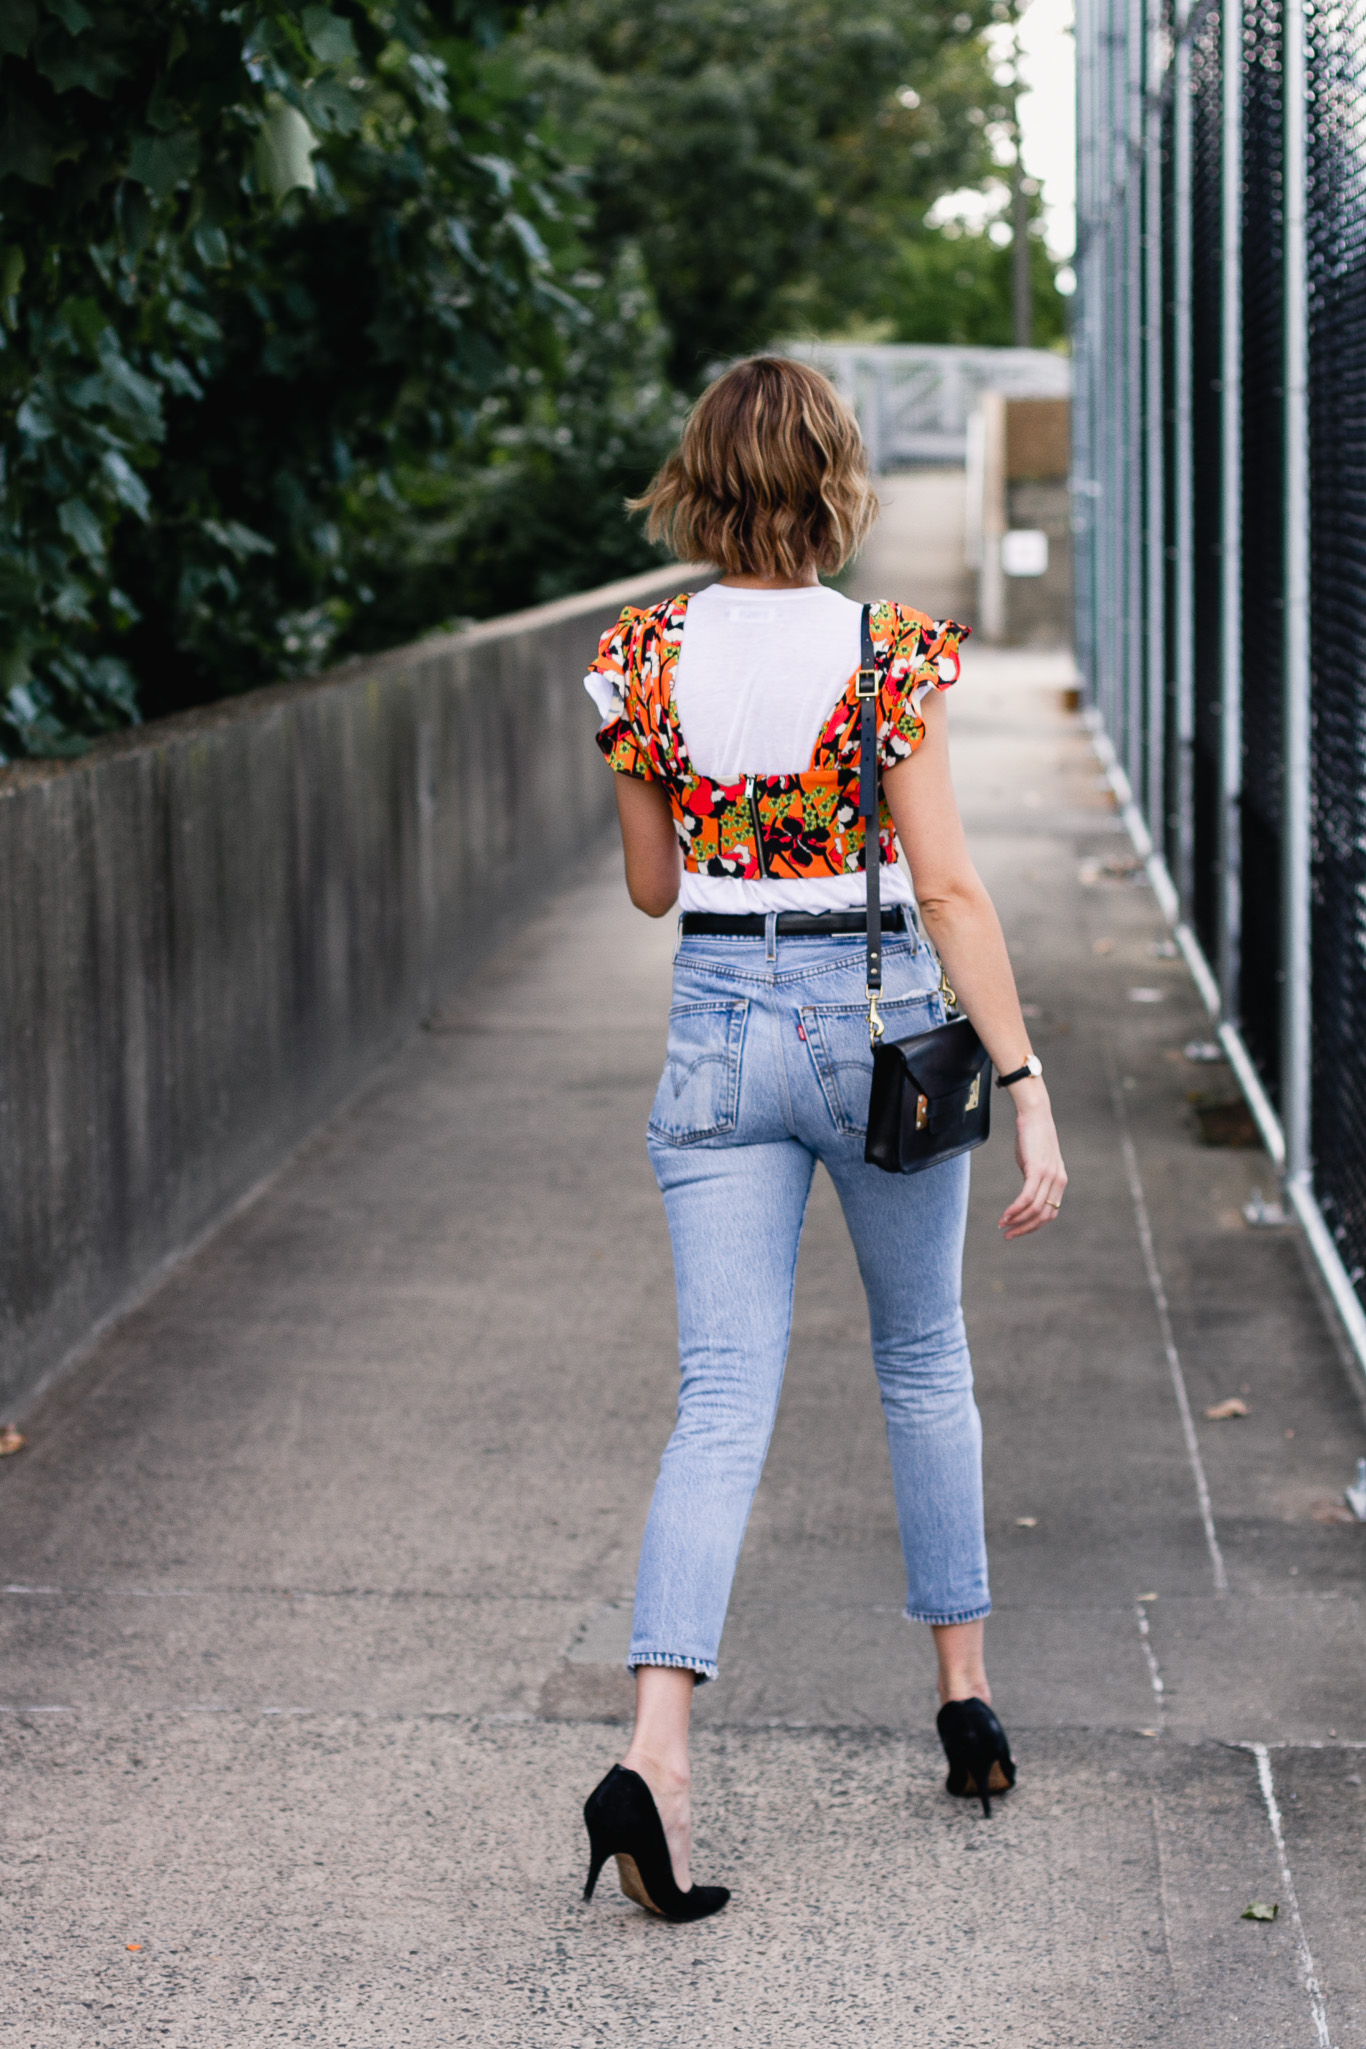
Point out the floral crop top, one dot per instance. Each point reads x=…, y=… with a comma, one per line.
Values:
x=782, y=827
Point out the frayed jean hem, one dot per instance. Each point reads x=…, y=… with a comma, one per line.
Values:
x=703, y=1667
x=947, y=1621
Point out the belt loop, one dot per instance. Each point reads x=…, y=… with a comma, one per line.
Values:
x=770, y=935
x=678, y=936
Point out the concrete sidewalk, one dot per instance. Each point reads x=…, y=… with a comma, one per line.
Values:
x=318, y=1569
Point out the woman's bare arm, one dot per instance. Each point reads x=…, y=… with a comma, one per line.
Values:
x=650, y=844
x=961, y=920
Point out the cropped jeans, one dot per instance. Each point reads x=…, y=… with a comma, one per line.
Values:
x=768, y=1071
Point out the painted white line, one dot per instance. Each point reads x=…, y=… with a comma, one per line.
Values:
x=1164, y=1324
x=1163, y=1888
x=1317, y=2005
x=1154, y=1670
x=120, y=1593
x=1317, y=1743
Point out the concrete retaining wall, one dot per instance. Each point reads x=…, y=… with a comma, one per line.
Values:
x=211, y=928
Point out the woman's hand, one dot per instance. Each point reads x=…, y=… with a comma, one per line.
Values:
x=1039, y=1158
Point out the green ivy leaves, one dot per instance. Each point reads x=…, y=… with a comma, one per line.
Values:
x=250, y=255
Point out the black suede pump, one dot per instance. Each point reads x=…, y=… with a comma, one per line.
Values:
x=623, y=1822
x=975, y=1744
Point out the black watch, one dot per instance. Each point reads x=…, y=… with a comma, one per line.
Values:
x=1032, y=1066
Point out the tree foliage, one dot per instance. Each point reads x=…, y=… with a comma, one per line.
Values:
x=953, y=285
x=774, y=160
x=535, y=508
x=262, y=266
x=322, y=325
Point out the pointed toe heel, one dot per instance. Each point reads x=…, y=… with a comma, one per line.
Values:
x=623, y=1822
x=978, y=1752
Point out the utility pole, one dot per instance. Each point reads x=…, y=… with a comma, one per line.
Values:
x=1022, y=283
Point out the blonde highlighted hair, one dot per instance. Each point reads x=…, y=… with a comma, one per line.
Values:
x=770, y=478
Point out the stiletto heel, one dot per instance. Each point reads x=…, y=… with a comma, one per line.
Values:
x=596, y=1861
x=623, y=1822
x=975, y=1744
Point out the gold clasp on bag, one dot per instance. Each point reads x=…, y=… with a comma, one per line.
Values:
x=922, y=1104
x=875, y=1025
x=944, y=990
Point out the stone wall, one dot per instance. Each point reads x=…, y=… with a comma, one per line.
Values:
x=213, y=927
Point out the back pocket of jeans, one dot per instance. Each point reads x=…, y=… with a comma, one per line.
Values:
x=837, y=1036
x=699, y=1091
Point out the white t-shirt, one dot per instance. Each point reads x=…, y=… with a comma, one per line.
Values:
x=759, y=673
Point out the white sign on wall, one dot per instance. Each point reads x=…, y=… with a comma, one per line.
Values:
x=1024, y=552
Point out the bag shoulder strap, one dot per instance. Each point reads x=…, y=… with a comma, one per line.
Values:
x=869, y=804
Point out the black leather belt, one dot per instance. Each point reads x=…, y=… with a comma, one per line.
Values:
x=790, y=924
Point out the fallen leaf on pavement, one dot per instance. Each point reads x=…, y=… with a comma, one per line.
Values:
x=1224, y=1412
x=1147, y=1597
x=1119, y=868
x=10, y=1440
x=1102, y=946
x=132, y=1945
x=1260, y=1911
x=1026, y=1522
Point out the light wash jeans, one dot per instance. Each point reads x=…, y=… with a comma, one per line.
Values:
x=767, y=1072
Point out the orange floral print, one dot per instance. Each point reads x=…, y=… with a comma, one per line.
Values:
x=784, y=827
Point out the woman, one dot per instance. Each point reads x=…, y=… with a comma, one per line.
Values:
x=731, y=721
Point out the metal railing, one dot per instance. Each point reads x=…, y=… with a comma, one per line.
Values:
x=914, y=403
x=1220, y=524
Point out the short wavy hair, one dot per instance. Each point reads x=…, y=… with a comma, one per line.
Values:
x=770, y=477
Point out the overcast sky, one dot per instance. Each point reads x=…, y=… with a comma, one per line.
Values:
x=1048, y=124
x=1048, y=115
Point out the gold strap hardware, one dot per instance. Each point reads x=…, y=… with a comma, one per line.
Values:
x=867, y=683
x=944, y=990
x=875, y=1025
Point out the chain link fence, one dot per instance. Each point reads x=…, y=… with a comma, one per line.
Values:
x=1220, y=512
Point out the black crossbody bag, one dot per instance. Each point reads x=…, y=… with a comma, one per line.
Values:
x=931, y=1095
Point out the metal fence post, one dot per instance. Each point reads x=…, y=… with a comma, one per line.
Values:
x=1085, y=353
x=1131, y=748
x=1231, y=516
x=1183, y=537
x=1100, y=330
x=1154, y=468
x=1295, y=827
x=1114, y=396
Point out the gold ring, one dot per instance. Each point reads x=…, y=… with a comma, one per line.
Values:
x=1052, y=1205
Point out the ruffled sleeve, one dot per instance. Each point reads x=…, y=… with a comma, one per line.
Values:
x=610, y=683
x=924, y=657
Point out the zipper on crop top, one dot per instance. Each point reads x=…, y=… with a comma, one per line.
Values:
x=758, y=828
